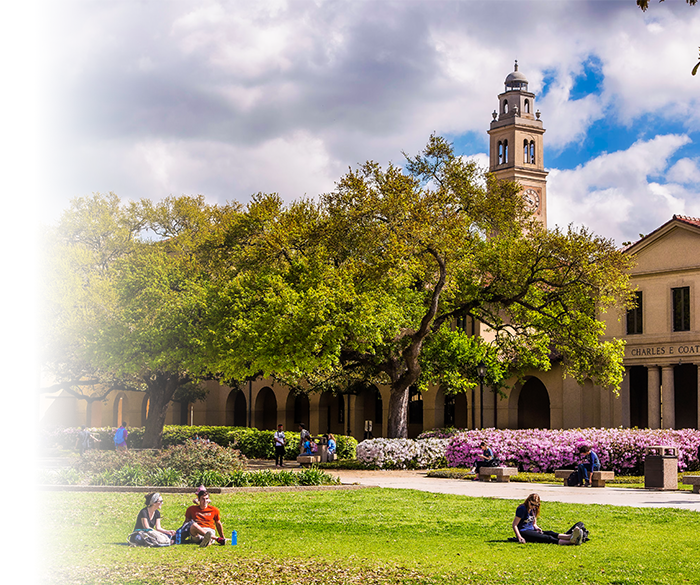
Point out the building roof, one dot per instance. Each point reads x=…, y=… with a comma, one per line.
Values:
x=683, y=219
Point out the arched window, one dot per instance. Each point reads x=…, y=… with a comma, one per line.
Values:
x=526, y=151
x=505, y=106
x=500, y=152
x=532, y=152
x=505, y=151
x=527, y=106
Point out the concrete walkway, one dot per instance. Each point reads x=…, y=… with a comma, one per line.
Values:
x=615, y=496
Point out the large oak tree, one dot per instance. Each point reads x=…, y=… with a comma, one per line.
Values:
x=366, y=283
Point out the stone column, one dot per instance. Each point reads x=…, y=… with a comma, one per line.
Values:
x=668, y=398
x=654, y=396
x=489, y=406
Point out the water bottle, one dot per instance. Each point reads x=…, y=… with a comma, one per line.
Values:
x=178, y=537
x=234, y=538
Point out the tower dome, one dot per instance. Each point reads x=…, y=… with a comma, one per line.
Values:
x=516, y=80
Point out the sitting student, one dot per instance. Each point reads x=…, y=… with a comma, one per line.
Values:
x=306, y=445
x=487, y=459
x=526, y=529
x=304, y=436
x=590, y=463
x=149, y=517
x=201, y=520
x=332, y=446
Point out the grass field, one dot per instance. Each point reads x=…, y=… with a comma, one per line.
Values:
x=366, y=536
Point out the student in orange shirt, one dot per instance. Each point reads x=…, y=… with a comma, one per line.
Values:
x=203, y=519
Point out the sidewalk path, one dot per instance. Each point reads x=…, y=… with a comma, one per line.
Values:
x=615, y=496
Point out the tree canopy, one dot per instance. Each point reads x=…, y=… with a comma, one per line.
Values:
x=364, y=284
x=367, y=282
x=125, y=290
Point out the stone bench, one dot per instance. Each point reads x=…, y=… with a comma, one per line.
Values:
x=598, y=478
x=308, y=460
x=501, y=473
x=693, y=480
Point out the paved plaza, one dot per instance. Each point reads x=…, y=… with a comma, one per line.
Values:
x=615, y=496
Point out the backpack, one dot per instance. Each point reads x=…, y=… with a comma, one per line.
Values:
x=314, y=447
x=572, y=479
x=495, y=462
x=583, y=528
x=151, y=538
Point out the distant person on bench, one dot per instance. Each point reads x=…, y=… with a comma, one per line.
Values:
x=589, y=464
x=487, y=459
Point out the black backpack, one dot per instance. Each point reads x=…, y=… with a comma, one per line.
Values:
x=583, y=528
x=572, y=479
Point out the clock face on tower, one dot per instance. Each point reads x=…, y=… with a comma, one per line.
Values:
x=532, y=199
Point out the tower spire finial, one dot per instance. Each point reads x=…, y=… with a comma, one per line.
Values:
x=516, y=64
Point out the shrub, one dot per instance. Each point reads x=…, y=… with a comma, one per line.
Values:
x=253, y=443
x=193, y=457
x=403, y=453
x=620, y=450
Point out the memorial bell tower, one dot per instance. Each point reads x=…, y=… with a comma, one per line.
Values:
x=516, y=148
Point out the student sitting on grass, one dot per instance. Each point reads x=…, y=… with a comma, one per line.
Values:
x=526, y=529
x=202, y=519
x=149, y=518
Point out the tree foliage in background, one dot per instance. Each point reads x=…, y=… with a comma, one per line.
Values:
x=366, y=282
x=644, y=4
x=124, y=299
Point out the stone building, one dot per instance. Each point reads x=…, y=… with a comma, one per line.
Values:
x=660, y=388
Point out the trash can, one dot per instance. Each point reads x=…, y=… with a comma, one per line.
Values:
x=661, y=467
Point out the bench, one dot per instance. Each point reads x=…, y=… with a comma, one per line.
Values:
x=693, y=480
x=308, y=460
x=501, y=473
x=598, y=478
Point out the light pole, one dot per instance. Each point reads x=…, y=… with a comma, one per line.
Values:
x=481, y=371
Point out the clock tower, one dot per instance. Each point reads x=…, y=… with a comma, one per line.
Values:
x=516, y=143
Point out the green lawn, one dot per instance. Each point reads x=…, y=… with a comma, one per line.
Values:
x=366, y=536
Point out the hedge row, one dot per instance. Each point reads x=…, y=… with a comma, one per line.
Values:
x=533, y=450
x=253, y=443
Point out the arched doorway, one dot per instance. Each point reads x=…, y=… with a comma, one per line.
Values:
x=415, y=412
x=297, y=411
x=121, y=407
x=372, y=408
x=145, y=407
x=533, y=405
x=266, y=410
x=236, y=409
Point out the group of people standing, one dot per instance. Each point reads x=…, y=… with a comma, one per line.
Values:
x=305, y=446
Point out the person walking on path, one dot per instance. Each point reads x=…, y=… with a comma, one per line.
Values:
x=120, y=438
x=526, y=529
x=204, y=521
x=279, y=446
x=84, y=438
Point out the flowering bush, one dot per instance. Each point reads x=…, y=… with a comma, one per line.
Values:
x=403, y=453
x=544, y=450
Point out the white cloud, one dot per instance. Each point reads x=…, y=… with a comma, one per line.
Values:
x=685, y=171
x=612, y=193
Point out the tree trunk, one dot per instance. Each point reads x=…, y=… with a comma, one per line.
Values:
x=398, y=413
x=160, y=393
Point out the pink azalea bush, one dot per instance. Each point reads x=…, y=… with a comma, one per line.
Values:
x=544, y=450
x=403, y=453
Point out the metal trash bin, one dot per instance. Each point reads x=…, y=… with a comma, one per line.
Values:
x=661, y=467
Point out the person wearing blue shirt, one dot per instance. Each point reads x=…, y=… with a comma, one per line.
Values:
x=590, y=463
x=526, y=529
x=331, y=446
x=487, y=459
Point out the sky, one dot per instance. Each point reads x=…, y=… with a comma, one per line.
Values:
x=227, y=99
